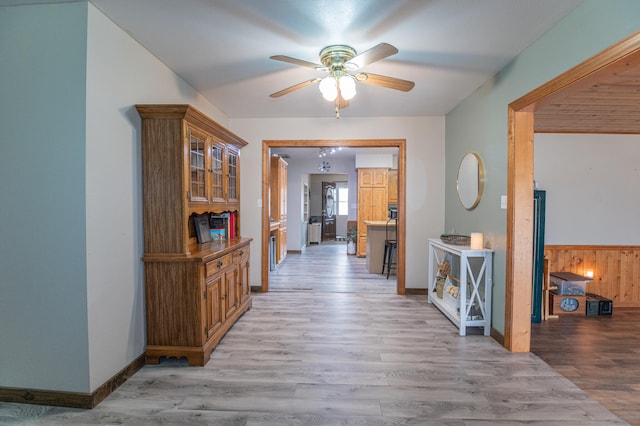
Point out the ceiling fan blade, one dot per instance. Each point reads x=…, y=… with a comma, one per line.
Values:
x=299, y=62
x=384, y=81
x=294, y=87
x=372, y=55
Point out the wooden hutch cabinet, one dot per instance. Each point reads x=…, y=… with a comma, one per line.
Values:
x=372, y=202
x=194, y=292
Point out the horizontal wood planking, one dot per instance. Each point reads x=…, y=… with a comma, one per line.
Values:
x=616, y=269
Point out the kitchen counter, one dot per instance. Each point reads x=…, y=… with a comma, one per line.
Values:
x=376, y=235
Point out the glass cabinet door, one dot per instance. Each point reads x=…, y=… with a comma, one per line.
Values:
x=217, y=183
x=232, y=176
x=197, y=164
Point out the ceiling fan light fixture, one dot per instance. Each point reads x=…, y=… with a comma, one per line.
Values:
x=339, y=86
x=329, y=88
x=347, y=87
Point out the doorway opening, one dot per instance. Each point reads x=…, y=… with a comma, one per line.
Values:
x=581, y=100
x=399, y=144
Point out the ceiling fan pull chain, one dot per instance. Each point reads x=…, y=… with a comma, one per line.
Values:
x=337, y=112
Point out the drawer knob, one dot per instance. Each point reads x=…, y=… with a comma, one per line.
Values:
x=220, y=264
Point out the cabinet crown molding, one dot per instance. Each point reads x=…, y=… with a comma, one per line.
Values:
x=193, y=115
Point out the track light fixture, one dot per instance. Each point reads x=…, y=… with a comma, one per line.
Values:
x=323, y=152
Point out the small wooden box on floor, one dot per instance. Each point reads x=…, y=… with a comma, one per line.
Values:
x=567, y=304
x=598, y=305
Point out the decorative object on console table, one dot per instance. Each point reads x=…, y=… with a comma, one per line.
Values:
x=476, y=241
x=467, y=292
x=441, y=278
x=455, y=239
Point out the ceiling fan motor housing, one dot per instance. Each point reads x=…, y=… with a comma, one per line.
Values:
x=335, y=57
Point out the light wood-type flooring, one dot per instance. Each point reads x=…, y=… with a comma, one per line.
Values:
x=332, y=350
x=600, y=354
x=326, y=267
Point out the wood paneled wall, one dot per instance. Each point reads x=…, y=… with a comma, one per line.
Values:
x=616, y=269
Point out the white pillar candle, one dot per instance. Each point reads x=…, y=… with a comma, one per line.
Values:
x=476, y=241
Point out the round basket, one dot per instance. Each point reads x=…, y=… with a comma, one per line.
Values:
x=456, y=240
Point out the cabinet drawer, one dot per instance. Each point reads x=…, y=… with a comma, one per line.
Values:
x=217, y=265
x=240, y=255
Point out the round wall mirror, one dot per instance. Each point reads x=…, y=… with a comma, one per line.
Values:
x=470, y=180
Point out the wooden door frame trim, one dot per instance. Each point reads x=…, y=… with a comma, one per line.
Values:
x=400, y=144
x=521, y=123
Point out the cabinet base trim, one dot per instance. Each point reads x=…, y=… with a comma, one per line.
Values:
x=72, y=399
x=196, y=355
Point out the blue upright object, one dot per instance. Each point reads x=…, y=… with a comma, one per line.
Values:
x=539, y=200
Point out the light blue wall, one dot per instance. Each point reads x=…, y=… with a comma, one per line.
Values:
x=71, y=276
x=42, y=188
x=480, y=122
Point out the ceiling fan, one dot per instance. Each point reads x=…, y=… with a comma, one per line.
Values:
x=324, y=167
x=342, y=63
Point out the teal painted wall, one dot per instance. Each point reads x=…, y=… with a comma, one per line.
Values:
x=42, y=188
x=480, y=122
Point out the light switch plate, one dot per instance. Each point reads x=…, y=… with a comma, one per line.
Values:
x=503, y=202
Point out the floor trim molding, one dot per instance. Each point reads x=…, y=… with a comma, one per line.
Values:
x=412, y=291
x=497, y=336
x=72, y=399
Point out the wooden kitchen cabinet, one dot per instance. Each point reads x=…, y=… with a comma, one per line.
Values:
x=393, y=187
x=373, y=177
x=278, y=204
x=372, y=202
x=194, y=292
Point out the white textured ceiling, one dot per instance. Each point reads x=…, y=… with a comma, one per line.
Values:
x=222, y=47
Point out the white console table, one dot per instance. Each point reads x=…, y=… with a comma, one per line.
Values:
x=471, y=272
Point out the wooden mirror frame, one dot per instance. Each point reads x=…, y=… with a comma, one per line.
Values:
x=470, y=180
